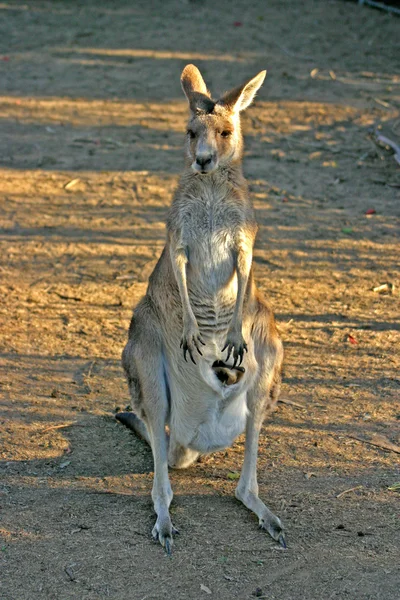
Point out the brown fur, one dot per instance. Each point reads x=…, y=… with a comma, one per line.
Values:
x=203, y=354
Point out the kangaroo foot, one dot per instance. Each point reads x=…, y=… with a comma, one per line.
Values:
x=266, y=518
x=270, y=523
x=163, y=531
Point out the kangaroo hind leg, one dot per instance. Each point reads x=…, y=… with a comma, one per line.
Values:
x=143, y=362
x=179, y=457
x=261, y=397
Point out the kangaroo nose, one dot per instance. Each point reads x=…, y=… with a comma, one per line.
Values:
x=203, y=161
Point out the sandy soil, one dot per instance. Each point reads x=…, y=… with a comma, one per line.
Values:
x=92, y=120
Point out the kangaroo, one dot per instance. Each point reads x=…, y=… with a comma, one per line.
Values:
x=203, y=358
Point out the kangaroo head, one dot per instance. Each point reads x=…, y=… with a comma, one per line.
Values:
x=214, y=136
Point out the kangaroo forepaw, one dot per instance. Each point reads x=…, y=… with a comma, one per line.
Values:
x=190, y=342
x=236, y=346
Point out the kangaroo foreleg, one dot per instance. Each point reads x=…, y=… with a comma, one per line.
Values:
x=234, y=340
x=191, y=338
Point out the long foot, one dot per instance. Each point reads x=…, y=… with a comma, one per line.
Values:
x=270, y=523
x=282, y=541
x=163, y=532
x=266, y=519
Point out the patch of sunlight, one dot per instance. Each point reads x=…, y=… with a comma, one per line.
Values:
x=24, y=186
x=120, y=485
x=278, y=117
x=10, y=535
x=94, y=113
x=156, y=54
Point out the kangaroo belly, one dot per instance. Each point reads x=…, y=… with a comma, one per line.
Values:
x=222, y=428
x=207, y=421
x=206, y=414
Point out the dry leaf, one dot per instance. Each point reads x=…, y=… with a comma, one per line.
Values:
x=384, y=288
x=71, y=183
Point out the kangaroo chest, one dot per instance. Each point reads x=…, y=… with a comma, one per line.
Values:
x=209, y=238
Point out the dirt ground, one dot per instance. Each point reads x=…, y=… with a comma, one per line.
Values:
x=91, y=131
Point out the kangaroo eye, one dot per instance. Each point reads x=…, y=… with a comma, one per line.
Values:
x=191, y=134
x=225, y=133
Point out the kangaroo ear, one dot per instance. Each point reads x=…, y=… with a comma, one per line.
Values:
x=196, y=91
x=241, y=97
x=192, y=82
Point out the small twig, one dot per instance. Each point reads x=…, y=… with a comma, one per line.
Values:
x=89, y=373
x=290, y=402
x=86, y=378
x=382, y=102
x=381, y=6
x=304, y=143
x=63, y=297
x=379, y=441
x=110, y=493
x=388, y=142
x=284, y=326
x=385, y=140
x=294, y=54
x=70, y=573
x=364, y=156
x=358, y=487
x=61, y=426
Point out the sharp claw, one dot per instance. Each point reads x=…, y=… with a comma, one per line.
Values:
x=168, y=547
x=235, y=361
x=241, y=358
x=175, y=531
x=226, y=345
x=185, y=352
x=282, y=541
x=201, y=341
x=245, y=346
x=191, y=357
x=229, y=352
x=197, y=348
x=181, y=344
